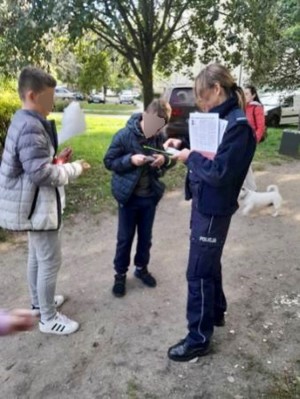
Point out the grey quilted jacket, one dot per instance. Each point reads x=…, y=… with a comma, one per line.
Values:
x=29, y=181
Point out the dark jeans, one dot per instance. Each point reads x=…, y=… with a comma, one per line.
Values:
x=138, y=214
x=206, y=299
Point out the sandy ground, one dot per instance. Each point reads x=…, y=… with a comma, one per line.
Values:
x=120, y=350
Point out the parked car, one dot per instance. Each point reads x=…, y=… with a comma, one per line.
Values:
x=126, y=97
x=63, y=93
x=79, y=96
x=290, y=109
x=272, y=109
x=182, y=101
x=97, y=98
x=287, y=102
x=136, y=94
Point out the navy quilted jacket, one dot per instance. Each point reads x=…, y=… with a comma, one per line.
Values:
x=220, y=180
x=127, y=142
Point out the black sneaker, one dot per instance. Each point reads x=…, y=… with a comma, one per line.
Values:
x=220, y=321
x=145, y=276
x=119, y=288
x=182, y=352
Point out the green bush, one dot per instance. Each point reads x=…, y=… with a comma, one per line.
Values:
x=3, y=235
x=9, y=103
x=60, y=105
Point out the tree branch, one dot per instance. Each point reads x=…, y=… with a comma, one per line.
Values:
x=126, y=54
x=132, y=31
x=163, y=41
x=168, y=5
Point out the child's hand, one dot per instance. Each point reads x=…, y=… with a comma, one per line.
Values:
x=20, y=320
x=159, y=160
x=85, y=166
x=65, y=155
x=138, y=159
x=175, y=143
x=182, y=155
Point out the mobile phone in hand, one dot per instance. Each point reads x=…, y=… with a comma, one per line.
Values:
x=149, y=158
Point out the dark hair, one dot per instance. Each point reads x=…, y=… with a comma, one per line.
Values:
x=253, y=91
x=34, y=79
x=160, y=107
x=216, y=73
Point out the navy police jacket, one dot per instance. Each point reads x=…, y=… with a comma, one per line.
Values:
x=220, y=180
x=127, y=142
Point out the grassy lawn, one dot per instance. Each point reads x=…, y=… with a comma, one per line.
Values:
x=92, y=191
x=267, y=152
x=107, y=109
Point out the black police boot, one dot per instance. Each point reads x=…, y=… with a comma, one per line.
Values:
x=220, y=321
x=183, y=352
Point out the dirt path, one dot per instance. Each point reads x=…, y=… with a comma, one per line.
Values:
x=120, y=350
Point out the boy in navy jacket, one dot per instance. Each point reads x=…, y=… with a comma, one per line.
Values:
x=137, y=189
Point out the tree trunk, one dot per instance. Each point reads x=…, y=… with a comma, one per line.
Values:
x=147, y=83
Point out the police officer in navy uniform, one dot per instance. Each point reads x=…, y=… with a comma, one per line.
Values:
x=214, y=186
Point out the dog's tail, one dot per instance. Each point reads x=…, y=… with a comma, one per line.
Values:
x=272, y=187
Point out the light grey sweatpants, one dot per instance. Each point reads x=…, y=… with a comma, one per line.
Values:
x=44, y=260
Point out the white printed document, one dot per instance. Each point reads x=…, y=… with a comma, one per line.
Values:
x=206, y=132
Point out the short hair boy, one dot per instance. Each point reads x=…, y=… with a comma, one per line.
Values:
x=29, y=195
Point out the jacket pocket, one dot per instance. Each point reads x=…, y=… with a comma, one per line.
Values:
x=33, y=206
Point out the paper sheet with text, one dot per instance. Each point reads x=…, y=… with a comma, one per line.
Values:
x=206, y=132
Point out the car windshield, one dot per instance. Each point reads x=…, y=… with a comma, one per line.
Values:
x=183, y=96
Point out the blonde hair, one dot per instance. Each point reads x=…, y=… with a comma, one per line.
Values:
x=216, y=73
x=160, y=107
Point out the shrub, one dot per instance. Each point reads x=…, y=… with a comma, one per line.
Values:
x=3, y=235
x=60, y=105
x=9, y=103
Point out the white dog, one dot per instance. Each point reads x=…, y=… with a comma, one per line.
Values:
x=256, y=200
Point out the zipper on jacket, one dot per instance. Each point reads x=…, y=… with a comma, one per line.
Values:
x=59, y=214
x=34, y=202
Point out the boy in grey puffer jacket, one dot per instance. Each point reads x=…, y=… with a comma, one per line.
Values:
x=30, y=175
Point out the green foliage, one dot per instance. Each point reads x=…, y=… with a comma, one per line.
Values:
x=60, y=105
x=108, y=109
x=4, y=235
x=285, y=74
x=94, y=72
x=166, y=34
x=22, y=40
x=143, y=32
x=9, y=103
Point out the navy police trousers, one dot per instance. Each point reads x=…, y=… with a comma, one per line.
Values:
x=206, y=300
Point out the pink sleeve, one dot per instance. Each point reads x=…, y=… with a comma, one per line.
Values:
x=4, y=323
x=260, y=122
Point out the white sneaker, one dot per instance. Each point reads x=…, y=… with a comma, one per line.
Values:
x=58, y=302
x=60, y=325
